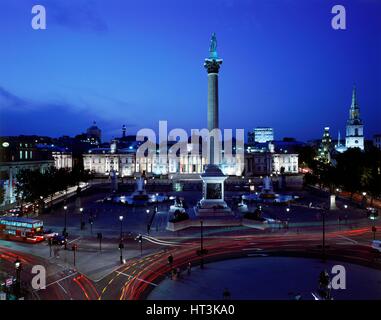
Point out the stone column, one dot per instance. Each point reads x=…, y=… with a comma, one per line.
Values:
x=212, y=101
x=212, y=65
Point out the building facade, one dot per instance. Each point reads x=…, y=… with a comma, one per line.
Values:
x=126, y=163
x=261, y=135
x=17, y=154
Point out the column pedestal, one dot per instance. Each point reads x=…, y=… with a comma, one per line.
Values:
x=212, y=203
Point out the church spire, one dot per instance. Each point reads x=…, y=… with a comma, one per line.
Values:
x=354, y=110
x=354, y=98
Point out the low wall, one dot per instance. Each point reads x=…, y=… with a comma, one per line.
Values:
x=219, y=222
x=210, y=222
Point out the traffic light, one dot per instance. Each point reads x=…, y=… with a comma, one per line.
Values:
x=121, y=245
x=99, y=235
x=170, y=259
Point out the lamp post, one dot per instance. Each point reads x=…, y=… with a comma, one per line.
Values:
x=65, y=228
x=74, y=249
x=121, y=227
x=100, y=236
x=148, y=224
x=81, y=214
x=364, y=201
x=202, y=244
x=140, y=238
x=18, y=267
x=65, y=211
x=121, y=246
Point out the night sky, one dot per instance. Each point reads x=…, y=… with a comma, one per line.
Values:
x=137, y=62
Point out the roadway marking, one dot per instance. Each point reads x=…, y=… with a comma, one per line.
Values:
x=62, y=288
x=107, y=274
x=74, y=240
x=248, y=249
x=348, y=239
x=129, y=276
x=59, y=280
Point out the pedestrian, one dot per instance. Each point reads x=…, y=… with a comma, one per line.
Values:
x=189, y=268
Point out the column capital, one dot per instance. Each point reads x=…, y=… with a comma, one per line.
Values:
x=212, y=65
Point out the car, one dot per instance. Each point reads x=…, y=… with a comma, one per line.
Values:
x=58, y=240
x=49, y=234
x=376, y=245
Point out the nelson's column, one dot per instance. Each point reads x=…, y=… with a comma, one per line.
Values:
x=212, y=202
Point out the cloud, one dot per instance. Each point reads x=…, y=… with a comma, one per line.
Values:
x=10, y=101
x=19, y=115
x=76, y=15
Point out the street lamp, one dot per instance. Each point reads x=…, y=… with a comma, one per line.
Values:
x=288, y=209
x=364, y=194
x=121, y=227
x=121, y=245
x=18, y=266
x=65, y=210
x=65, y=228
x=148, y=224
x=81, y=214
x=140, y=238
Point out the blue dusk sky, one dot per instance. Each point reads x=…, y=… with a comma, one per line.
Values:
x=137, y=62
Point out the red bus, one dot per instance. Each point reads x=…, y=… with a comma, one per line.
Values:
x=21, y=229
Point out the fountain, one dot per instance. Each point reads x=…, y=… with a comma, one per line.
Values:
x=267, y=189
x=138, y=198
x=139, y=195
x=267, y=194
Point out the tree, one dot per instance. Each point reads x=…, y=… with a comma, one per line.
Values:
x=307, y=154
x=371, y=175
x=350, y=168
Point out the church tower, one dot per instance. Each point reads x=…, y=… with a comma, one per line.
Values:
x=355, y=128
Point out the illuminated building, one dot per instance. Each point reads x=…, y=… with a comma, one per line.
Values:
x=355, y=128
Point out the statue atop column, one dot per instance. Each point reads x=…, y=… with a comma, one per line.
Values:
x=213, y=62
x=213, y=46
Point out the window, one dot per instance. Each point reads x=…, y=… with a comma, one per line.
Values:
x=20, y=154
x=356, y=132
